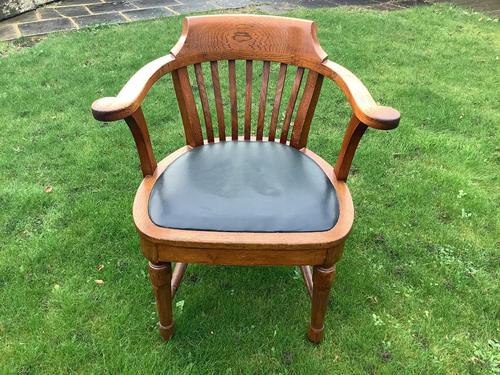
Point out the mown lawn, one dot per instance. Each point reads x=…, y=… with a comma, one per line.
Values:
x=417, y=289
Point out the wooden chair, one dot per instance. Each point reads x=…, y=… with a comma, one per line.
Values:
x=243, y=199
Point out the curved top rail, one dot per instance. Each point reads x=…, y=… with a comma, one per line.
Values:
x=255, y=37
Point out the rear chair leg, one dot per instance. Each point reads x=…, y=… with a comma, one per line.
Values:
x=322, y=282
x=161, y=276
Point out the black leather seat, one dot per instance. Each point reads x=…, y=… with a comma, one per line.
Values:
x=244, y=187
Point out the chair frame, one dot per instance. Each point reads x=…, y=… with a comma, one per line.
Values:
x=234, y=37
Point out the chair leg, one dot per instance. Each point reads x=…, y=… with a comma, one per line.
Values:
x=161, y=276
x=322, y=282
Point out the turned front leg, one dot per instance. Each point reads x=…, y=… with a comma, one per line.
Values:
x=161, y=276
x=322, y=282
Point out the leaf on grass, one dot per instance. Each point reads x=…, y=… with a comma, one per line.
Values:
x=100, y=267
x=99, y=282
x=47, y=189
x=372, y=299
x=180, y=304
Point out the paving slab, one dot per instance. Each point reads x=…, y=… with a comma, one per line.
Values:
x=99, y=19
x=114, y=6
x=154, y=3
x=317, y=3
x=231, y=4
x=146, y=14
x=271, y=8
x=73, y=11
x=45, y=27
x=73, y=2
x=22, y=18
x=48, y=13
x=8, y=32
x=194, y=7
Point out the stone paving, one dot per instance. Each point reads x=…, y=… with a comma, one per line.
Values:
x=75, y=14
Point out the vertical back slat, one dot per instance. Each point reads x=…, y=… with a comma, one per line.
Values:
x=291, y=104
x=187, y=107
x=204, y=102
x=219, y=107
x=305, y=111
x=277, y=102
x=233, y=99
x=262, y=101
x=248, y=100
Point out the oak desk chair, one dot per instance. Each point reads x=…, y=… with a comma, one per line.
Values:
x=243, y=199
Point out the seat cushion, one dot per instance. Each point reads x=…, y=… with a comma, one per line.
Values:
x=244, y=187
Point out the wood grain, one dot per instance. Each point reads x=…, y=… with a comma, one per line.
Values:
x=291, y=104
x=277, y=102
x=139, y=129
x=233, y=99
x=305, y=111
x=248, y=100
x=354, y=132
x=262, y=100
x=322, y=282
x=219, y=106
x=307, y=276
x=249, y=37
x=160, y=275
x=187, y=107
x=204, y=102
x=177, y=275
x=362, y=103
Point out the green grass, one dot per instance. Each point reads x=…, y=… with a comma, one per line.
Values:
x=417, y=289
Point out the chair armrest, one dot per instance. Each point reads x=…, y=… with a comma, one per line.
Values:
x=362, y=103
x=127, y=106
x=132, y=94
x=353, y=135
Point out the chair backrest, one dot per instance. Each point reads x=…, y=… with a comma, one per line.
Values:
x=211, y=42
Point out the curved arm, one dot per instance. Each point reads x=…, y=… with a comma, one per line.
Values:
x=139, y=129
x=127, y=106
x=353, y=134
x=132, y=94
x=364, y=107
